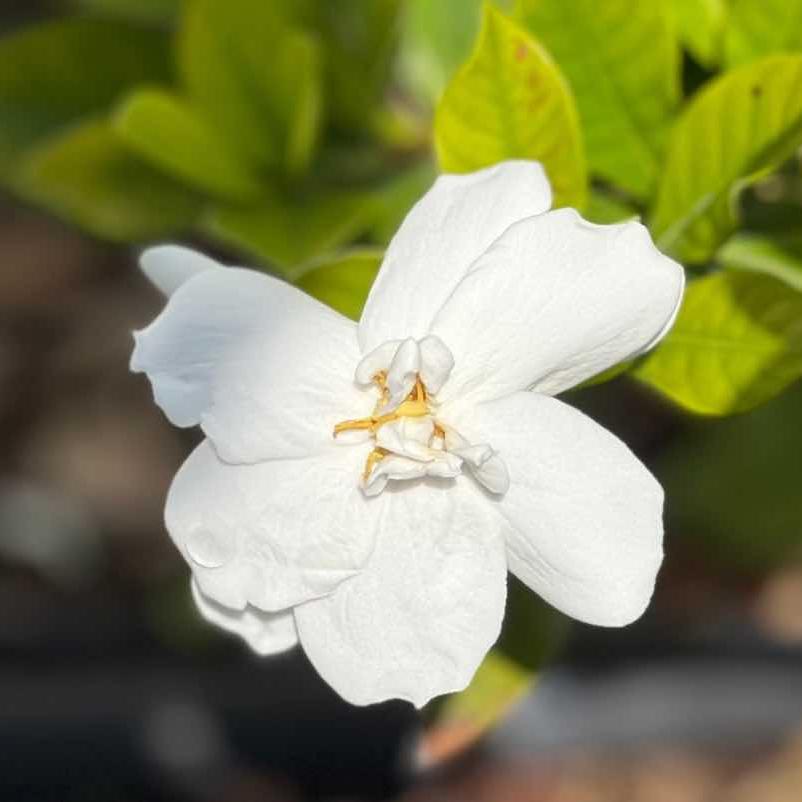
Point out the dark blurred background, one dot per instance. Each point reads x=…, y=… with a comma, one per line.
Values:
x=111, y=688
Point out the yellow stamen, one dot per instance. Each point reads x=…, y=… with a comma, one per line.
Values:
x=375, y=457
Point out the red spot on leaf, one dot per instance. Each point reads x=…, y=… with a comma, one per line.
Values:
x=521, y=51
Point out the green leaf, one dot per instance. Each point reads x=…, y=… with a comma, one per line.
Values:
x=166, y=131
x=343, y=282
x=138, y=10
x=289, y=234
x=780, y=257
x=700, y=25
x=360, y=38
x=758, y=28
x=88, y=177
x=510, y=101
x=741, y=126
x=255, y=77
x=736, y=343
x=605, y=208
x=498, y=684
x=54, y=74
x=622, y=62
x=393, y=201
x=734, y=488
x=436, y=38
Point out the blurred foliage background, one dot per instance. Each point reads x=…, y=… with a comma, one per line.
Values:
x=294, y=135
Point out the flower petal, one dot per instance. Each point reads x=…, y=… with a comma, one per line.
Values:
x=450, y=227
x=265, y=633
x=272, y=534
x=554, y=301
x=585, y=515
x=167, y=267
x=266, y=369
x=419, y=619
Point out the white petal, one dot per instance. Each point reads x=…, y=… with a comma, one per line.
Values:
x=585, y=515
x=272, y=534
x=377, y=360
x=167, y=267
x=483, y=462
x=266, y=369
x=450, y=227
x=436, y=363
x=553, y=302
x=409, y=437
x=265, y=633
x=402, y=373
x=419, y=619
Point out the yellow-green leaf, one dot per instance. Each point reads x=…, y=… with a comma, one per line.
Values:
x=88, y=177
x=165, y=130
x=462, y=718
x=739, y=127
x=622, y=61
x=737, y=342
x=605, y=208
x=760, y=27
x=343, y=282
x=700, y=25
x=780, y=257
x=510, y=101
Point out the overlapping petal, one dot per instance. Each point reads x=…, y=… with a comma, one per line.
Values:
x=419, y=619
x=273, y=534
x=554, y=301
x=265, y=368
x=265, y=633
x=450, y=227
x=584, y=515
x=167, y=267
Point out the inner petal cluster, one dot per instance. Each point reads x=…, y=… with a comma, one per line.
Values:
x=409, y=440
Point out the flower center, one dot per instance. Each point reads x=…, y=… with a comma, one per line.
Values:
x=408, y=441
x=415, y=405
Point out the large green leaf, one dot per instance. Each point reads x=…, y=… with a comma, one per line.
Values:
x=780, y=257
x=344, y=281
x=736, y=343
x=56, y=73
x=739, y=127
x=700, y=25
x=166, y=131
x=622, y=61
x=88, y=177
x=510, y=101
x=759, y=27
x=288, y=233
x=257, y=78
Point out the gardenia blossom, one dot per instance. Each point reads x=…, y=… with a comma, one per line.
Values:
x=363, y=489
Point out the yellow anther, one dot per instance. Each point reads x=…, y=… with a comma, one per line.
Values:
x=415, y=406
x=375, y=457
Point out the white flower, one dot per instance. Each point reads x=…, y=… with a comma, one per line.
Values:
x=384, y=549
